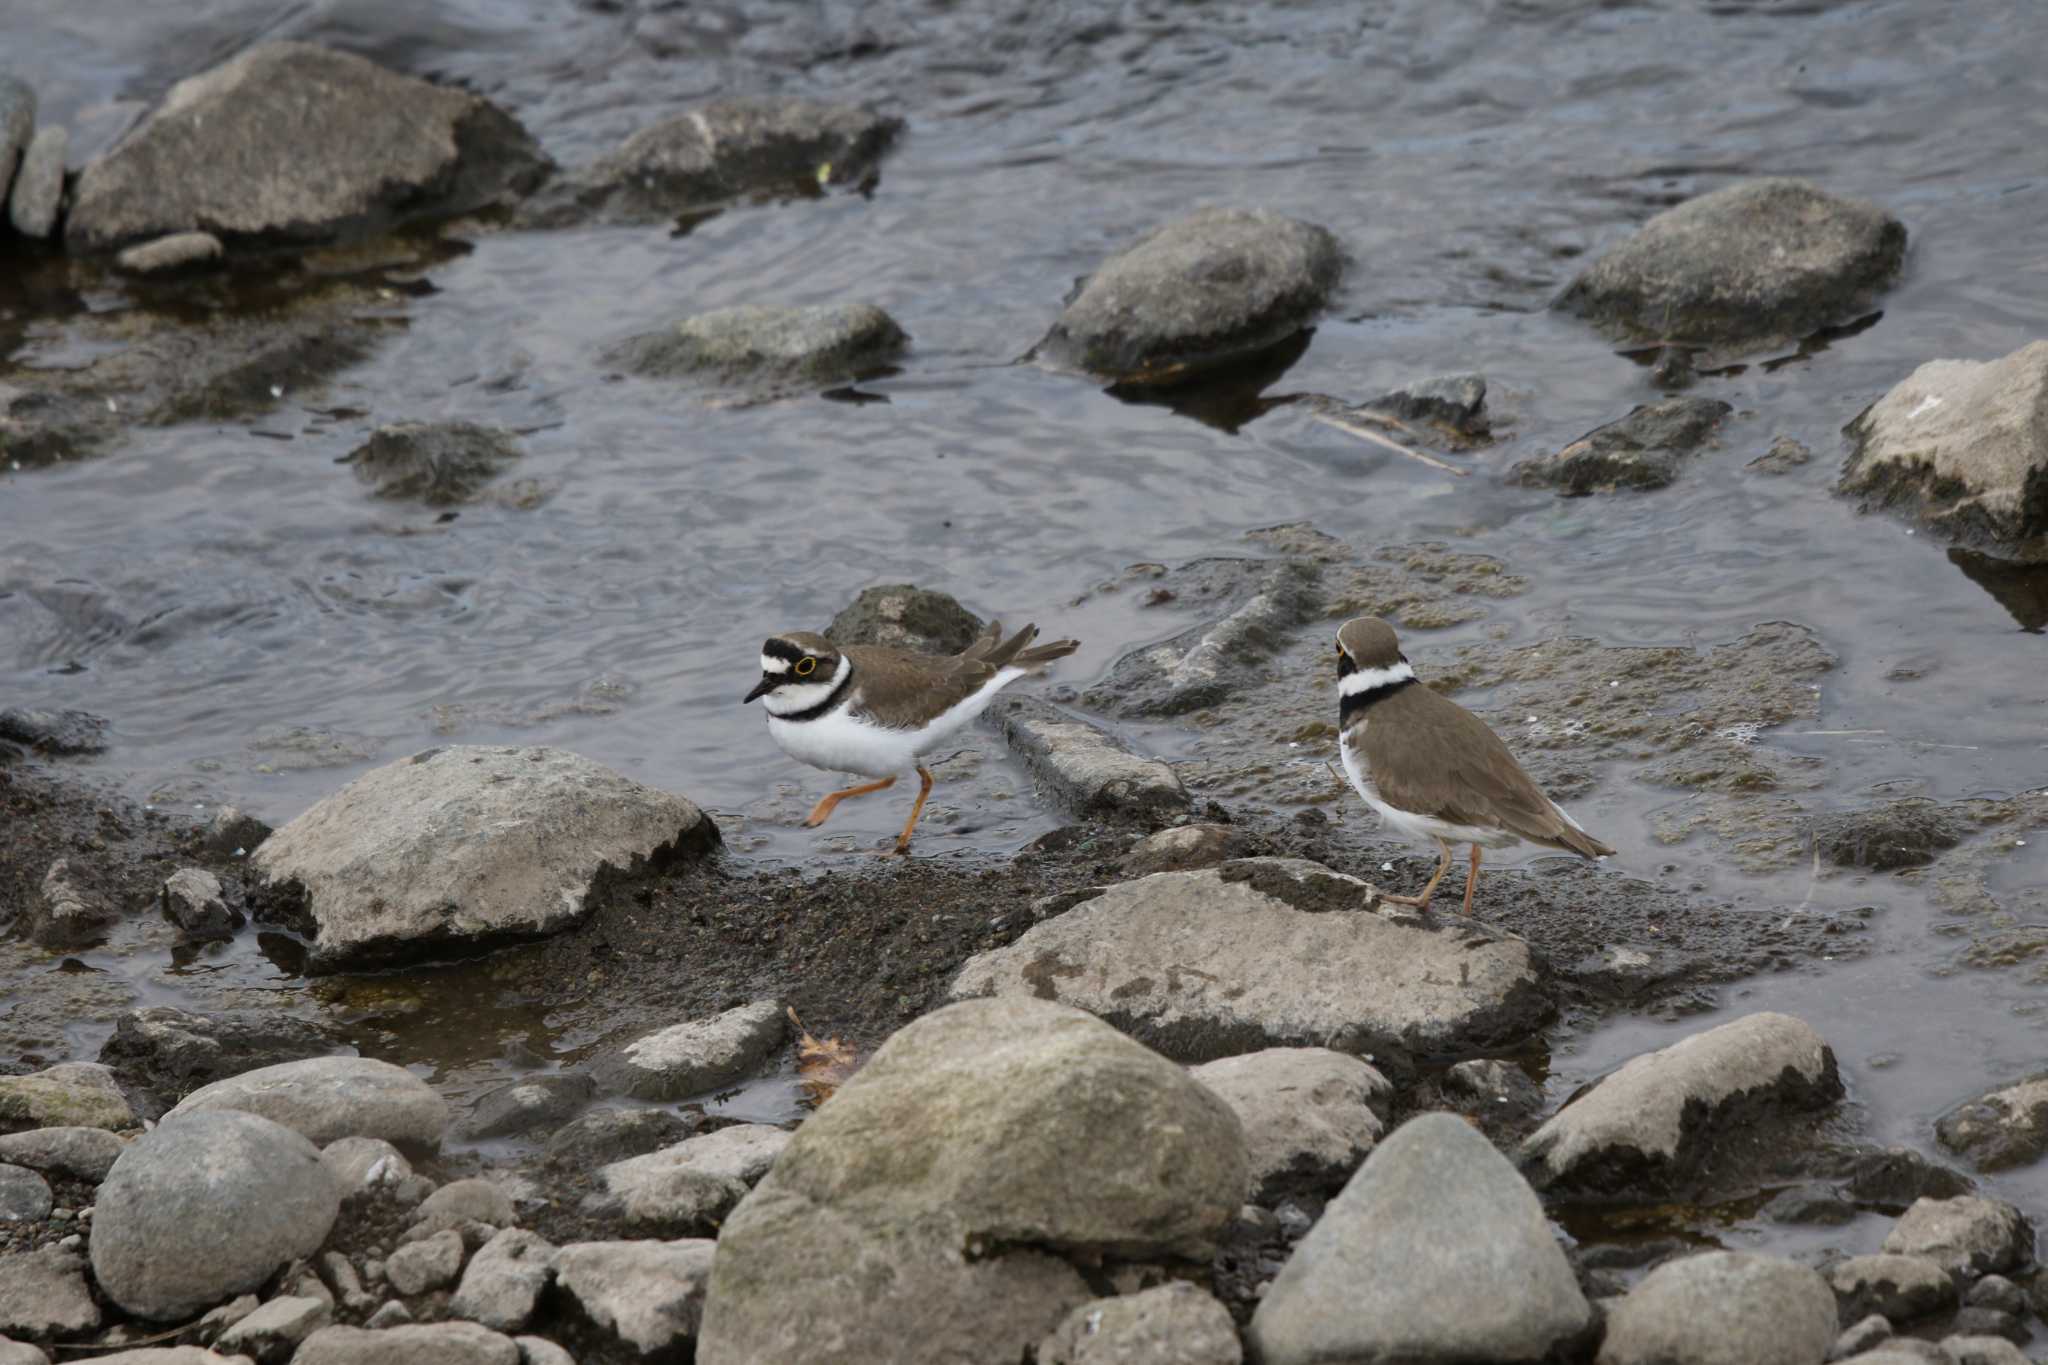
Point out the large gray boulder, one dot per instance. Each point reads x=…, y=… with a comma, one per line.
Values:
x=205, y=1206
x=1307, y=1113
x=924, y=1204
x=1963, y=444
x=67, y=1095
x=288, y=142
x=1723, y=1308
x=2007, y=1127
x=1966, y=1235
x=1747, y=266
x=1173, y=1324
x=1650, y=1125
x=1215, y=286
x=649, y=1296
x=1269, y=952
x=467, y=847
x=759, y=347
x=326, y=1098
x=1436, y=1251
x=696, y=1056
x=43, y=1293
x=1086, y=769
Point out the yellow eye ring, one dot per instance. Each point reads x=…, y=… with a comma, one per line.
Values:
x=805, y=667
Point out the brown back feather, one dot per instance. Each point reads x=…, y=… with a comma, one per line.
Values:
x=900, y=689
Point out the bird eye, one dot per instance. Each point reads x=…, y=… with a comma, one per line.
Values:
x=806, y=666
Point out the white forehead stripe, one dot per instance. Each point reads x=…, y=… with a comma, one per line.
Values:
x=1366, y=679
x=771, y=664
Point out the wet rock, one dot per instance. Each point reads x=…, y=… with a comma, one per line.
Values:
x=648, y=1295
x=613, y=1135
x=17, y=122
x=173, y=252
x=466, y=847
x=1642, y=450
x=325, y=1098
x=441, y=1343
x=1885, y=837
x=359, y=1163
x=1865, y=1335
x=274, y=1331
x=1901, y=1288
x=287, y=142
x=68, y=1095
x=1307, y=1114
x=1996, y=1291
x=462, y=1202
x=1893, y=1178
x=1500, y=1089
x=172, y=1052
x=1454, y=404
x=79, y=1153
x=1007, y=1129
x=431, y=1263
x=695, y=1057
x=1435, y=1251
x=504, y=1280
x=438, y=464
x=1784, y=456
x=193, y=897
x=722, y=151
x=204, y=1206
x=904, y=616
x=1184, y=848
x=1723, y=1306
x=524, y=1106
x=2008, y=1127
x=687, y=1188
x=756, y=346
x=1744, y=267
x=1966, y=1235
x=1087, y=770
x=1268, y=952
x=1218, y=285
x=1264, y=601
x=24, y=1195
x=54, y=732
x=1174, y=1324
x=1964, y=445
x=232, y=834
x=1648, y=1126
x=64, y=913
x=39, y=185
x=44, y=1294
x=1812, y=1205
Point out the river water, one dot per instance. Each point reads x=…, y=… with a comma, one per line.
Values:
x=259, y=631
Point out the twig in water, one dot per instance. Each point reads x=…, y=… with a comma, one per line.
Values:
x=1368, y=434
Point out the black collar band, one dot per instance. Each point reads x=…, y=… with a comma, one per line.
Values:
x=1349, y=708
x=831, y=699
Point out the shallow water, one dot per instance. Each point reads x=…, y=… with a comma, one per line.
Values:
x=259, y=631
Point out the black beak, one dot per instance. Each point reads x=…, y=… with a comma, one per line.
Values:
x=761, y=688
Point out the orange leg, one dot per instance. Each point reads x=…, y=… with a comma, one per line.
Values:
x=823, y=810
x=1421, y=902
x=903, y=841
x=1472, y=879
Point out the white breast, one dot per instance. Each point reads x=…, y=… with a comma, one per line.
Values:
x=1407, y=824
x=839, y=741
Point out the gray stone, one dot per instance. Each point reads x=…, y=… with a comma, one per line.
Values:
x=1976, y=1321
x=24, y=1195
x=167, y=1355
x=67, y=1095
x=610, y=1135
x=1183, y=848
x=81, y=1153
x=1003, y=1129
x=904, y=616
x=338, y=1271
x=1088, y=771
x=1982, y=1350
x=1784, y=456
x=467, y=847
x=467, y=1201
x=430, y=1263
x=1641, y=450
x=1454, y=404
x=1866, y=1334
x=438, y=464
x=274, y=1331
x=1174, y=1324
x=752, y=345
x=1307, y=1114
x=359, y=1163
x=172, y=1052
x=65, y=913
x=1212, y=287
x=687, y=1188
x=649, y=1295
x=193, y=898
x=172, y=252
x=1902, y=1351
x=21, y=1353
x=2008, y=1127
x=1813, y=1204
x=1899, y=1288
x=504, y=1280
x=1268, y=952
x=43, y=1294
x=695, y=1057
x=1648, y=1125
x=1261, y=604
x=389, y=1315
x=325, y=1098
x=1891, y=1178
x=1723, y=1308
x=1498, y=1089
x=231, y=834
x=537, y=1351
x=1965, y=1235
x=1996, y=1291
x=204, y=1206
x=1748, y=266
x=441, y=1343
x=61, y=733
x=1435, y=1251
x=217, y=1320
x=522, y=1106
x=287, y=142
x=1886, y=837
x=17, y=122
x=1962, y=443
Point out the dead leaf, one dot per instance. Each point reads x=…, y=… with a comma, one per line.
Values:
x=821, y=1066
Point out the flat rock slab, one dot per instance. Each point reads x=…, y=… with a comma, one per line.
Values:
x=67, y=1095
x=1643, y=450
x=1087, y=770
x=648, y=1295
x=1723, y=1308
x=288, y=142
x=1966, y=1235
x=468, y=847
x=1748, y=266
x=442, y=1343
x=43, y=1293
x=694, y=1057
x=1258, y=605
x=1174, y=1324
x=752, y=346
x=687, y=1188
x=1270, y=952
x=1307, y=1112
x=2006, y=1128
x=325, y=1098
x=1649, y=1125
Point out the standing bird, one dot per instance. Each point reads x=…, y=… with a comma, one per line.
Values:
x=1430, y=767
x=877, y=712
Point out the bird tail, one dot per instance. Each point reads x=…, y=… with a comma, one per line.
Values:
x=1014, y=652
x=1582, y=843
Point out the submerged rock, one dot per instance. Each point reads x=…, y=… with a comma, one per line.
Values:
x=1962, y=443
x=1307, y=1113
x=1642, y=450
x=1902, y=1288
x=610, y=1135
x=1261, y=604
x=1218, y=285
x=768, y=347
x=2008, y=1127
x=1268, y=952
x=1174, y=1324
x=695, y=1057
x=54, y=732
x=438, y=464
x=325, y=1098
x=1744, y=267
x=292, y=143
x=1893, y=835
x=522, y=1106
x=1966, y=1235
x=39, y=185
x=66, y=914
x=466, y=847
x=171, y=1052
x=1723, y=1308
x=44, y=1293
x=1454, y=404
x=904, y=616
x=1086, y=769
x=646, y=1295
x=67, y=1095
